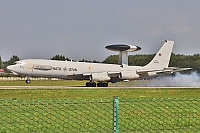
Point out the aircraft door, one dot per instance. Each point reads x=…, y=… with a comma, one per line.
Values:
x=30, y=65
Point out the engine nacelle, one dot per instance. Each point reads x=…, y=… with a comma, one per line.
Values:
x=100, y=77
x=129, y=75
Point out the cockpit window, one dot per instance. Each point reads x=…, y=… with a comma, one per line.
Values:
x=18, y=63
x=14, y=63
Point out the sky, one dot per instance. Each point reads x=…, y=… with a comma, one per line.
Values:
x=80, y=29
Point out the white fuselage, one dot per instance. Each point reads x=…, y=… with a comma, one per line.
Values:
x=68, y=69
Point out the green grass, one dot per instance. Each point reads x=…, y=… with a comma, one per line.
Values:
x=90, y=109
x=65, y=83
x=160, y=114
x=43, y=83
x=90, y=92
x=95, y=115
x=98, y=93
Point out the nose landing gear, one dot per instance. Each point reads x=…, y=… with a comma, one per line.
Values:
x=28, y=81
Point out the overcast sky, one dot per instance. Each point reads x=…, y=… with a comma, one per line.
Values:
x=80, y=29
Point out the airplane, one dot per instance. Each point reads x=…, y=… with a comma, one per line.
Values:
x=99, y=72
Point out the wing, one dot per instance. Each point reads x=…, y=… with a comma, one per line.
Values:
x=98, y=76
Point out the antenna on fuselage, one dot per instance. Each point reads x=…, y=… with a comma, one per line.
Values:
x=123, y=50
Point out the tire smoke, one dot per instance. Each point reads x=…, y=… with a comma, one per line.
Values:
x=184, y=80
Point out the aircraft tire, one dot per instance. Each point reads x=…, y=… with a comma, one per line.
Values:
x=105, y=84
x=93, y=84
x=28, y=81
x=100, y=84
x=90, y=84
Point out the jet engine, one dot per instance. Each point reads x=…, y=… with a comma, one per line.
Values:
x=129, y=75
x=100, y=77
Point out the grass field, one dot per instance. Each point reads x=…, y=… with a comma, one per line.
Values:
x=97, y=93
x=95, y=115
x=43, y=83
x=90, y=92
x=65, y=83
x=90, y=109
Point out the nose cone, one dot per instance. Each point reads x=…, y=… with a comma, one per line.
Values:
x=9, y=68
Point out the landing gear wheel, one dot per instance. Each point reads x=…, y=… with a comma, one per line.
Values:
x=87, y=84
x=101, y=84
x=28, y=81
x=90, y=84
x=94, y=84
x=105, y=84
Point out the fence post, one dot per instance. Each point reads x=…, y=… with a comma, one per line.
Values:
x=115, y=114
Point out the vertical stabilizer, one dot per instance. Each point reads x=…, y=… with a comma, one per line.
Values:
x=162, y=58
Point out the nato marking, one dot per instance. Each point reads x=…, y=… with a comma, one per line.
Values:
x=72, y=69
x=57, y=68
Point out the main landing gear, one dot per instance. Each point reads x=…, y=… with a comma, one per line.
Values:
x=90, y=84
x=100, y=84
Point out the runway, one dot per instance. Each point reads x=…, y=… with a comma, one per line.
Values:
x=83, y=87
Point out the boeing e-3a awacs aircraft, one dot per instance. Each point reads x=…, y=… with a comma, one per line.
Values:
x=99, y=72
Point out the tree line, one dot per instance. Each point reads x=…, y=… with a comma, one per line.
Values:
x=177, y=60
x=62, y=58
x=12, y=60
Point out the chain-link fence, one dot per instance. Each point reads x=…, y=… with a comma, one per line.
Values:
x=101, y=115
x=160, y=115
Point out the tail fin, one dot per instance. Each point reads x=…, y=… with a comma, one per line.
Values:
x=162, y=58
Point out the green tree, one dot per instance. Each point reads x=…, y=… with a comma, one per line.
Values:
x=13, y=59
x=83, y=60
x=139, y=60
x=197, y=65
x=59, y=57
x=112, y=59
x=177, y=60
x=1, y=63
x=94, y=61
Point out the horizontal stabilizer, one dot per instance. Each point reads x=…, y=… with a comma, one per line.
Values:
x=160, y=71
x=177, y=69
x=142, y=71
